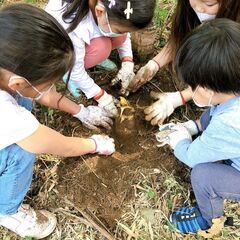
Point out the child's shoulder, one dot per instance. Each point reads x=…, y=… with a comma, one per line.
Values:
x=10, y=107
x=6, y=98
x=16, y=122
x=229, y=113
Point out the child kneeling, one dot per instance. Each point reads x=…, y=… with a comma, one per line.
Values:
x=208, y=61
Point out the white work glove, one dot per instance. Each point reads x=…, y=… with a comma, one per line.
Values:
x=125, y=75
x=93, y=116
x=191, y=126
x=163, y=107
x=145, y=74
x=172, y=134
x=104, y=144
x=106, y=102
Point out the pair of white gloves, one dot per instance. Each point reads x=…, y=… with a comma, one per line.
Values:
x=166, y=102
x=101, y=115
x=93, y=116
x=125, y=76
x=156, y=113
x=172, y=133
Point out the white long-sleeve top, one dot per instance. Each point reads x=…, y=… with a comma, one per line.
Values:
x=80, y=36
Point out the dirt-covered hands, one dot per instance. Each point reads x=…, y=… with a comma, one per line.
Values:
x=93, y=116
x=163, y=107
x=104, y=144
x=172, y=134
x=107, y=103
x=145, y=74
x=125, y=76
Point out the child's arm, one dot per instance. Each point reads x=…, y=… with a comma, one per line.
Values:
x=47, y=140
x=80, y=80
x=91, y=116
x=218, y=142
x=147, y=72
x=66, y=105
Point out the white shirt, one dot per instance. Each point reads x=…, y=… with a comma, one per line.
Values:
x=16, y=122
x=81, y=35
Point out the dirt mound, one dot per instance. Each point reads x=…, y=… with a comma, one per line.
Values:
x=104, y=185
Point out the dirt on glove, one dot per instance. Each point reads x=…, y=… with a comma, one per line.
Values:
x=105, y=185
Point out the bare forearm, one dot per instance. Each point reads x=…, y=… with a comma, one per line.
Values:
x=73, y=146
x=57, y=101
x=187, y=94
x=47, y=140
x=164, y=56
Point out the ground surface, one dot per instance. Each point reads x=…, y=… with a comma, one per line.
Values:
x=105, y=184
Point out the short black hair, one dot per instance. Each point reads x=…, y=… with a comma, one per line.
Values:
x=210, y=57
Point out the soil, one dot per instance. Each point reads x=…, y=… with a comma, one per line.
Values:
x=104, y=185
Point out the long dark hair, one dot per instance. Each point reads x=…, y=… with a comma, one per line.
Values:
x=33, y=44
x=143, y=11
x=184, y=19
x=210, y=57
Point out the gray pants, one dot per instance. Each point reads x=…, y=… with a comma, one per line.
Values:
x=212, y=183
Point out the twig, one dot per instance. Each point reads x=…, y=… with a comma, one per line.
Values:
x=92, y=171
x=158, y=88
x=81, y=219
x=104, y=232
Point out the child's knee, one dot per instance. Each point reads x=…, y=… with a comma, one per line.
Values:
x=98, y=50
x=118, y=41
x=16, y=157
x=200, y=174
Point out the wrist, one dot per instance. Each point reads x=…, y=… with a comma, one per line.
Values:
x=182, y=97
x=99, y=95
x=77, y=109
x=127, y=59
x=176, y=99
x=158, y=64
x=92, y=145
x=82, y=111
x=192, y=127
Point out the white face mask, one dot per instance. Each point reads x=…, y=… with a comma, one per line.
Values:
x=40, y=93
x=204, y=16
x=110, y=33
x=209, y=104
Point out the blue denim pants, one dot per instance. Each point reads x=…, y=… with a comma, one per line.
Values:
x=16, y=170
x=214, y=182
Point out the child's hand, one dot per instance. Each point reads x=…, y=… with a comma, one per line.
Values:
x=125, y=75
x=145, y=74
x=172, y=134
x=163, y=107
x=93, y=116
x=104, y=144
x=106, y=102
x=191, y=126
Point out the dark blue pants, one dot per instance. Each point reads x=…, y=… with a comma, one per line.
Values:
x=16, y=169
x=214, y=182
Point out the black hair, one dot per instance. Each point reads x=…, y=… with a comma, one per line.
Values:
x=33, y=44
x=143, y=12
x=210, y=57
x=184, y=19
